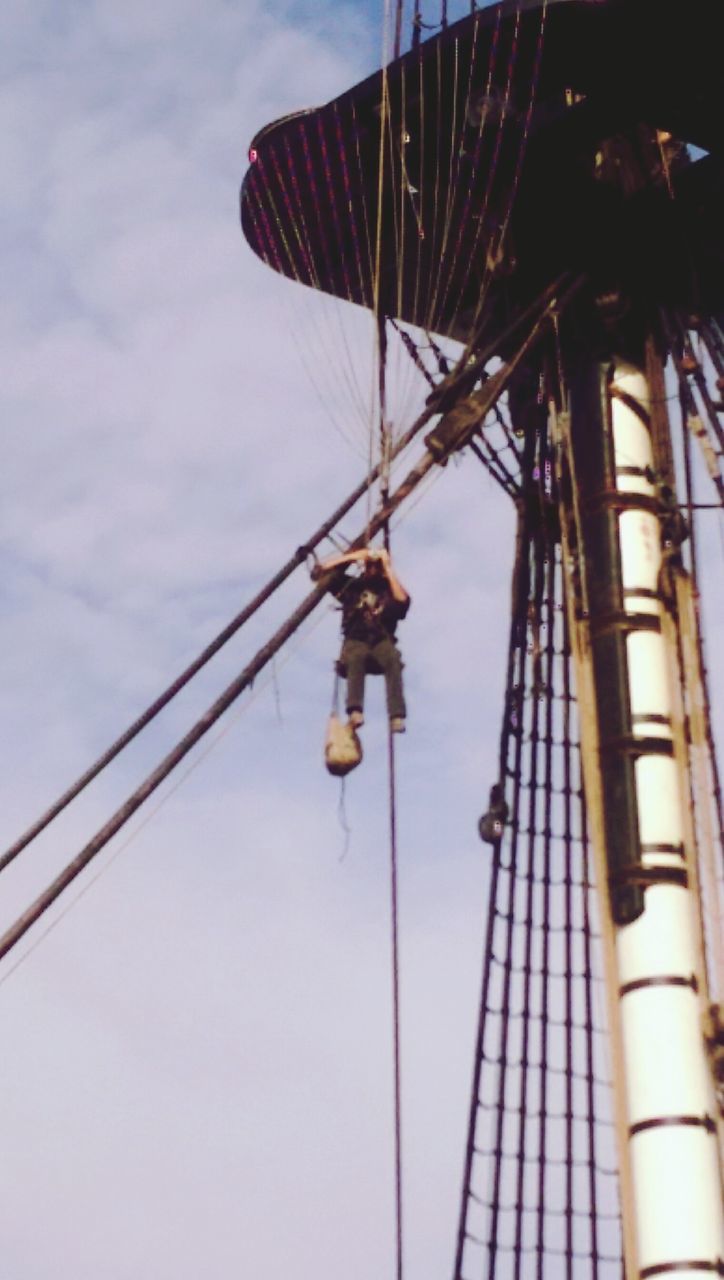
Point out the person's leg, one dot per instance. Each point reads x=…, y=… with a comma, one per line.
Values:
x=387, y=655
x=354, y=656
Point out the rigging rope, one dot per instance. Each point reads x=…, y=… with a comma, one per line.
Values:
x=540, y=1173
x=318, y=217
x=385, y=440
x=385, y=444
x=258, y=689
x=298, y=558
x=453, y=384
x=456, y=386
x=394, y=922
x=24, y=922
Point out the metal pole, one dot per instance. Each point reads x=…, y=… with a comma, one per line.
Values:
x=673, y=1211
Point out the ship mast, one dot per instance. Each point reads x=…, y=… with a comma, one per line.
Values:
x=637, y=799
x=522, y=151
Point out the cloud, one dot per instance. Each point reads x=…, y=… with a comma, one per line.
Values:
x=198, y=1076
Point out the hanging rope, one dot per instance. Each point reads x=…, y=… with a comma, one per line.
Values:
x=385, y=438
x=394, y=921
x=385, y=459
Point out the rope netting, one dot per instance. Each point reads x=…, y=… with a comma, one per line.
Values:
x=541, y=1184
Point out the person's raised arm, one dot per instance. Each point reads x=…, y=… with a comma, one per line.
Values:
x=335, y=562
x=399, y=593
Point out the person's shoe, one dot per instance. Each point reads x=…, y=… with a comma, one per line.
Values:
x=397, y=724
x=356, y=719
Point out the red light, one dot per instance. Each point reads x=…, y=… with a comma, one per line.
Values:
x=253, y=155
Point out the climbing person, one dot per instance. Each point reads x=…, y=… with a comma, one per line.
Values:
x=372, y=605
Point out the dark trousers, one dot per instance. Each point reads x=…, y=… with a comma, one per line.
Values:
x=358, y=656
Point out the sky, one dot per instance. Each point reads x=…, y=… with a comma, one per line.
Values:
x=196, y=1076
x=197, y=1068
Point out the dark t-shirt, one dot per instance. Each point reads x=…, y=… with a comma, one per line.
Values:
x=369, y=609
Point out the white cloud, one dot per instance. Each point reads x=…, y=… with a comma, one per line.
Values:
x=197, y=1076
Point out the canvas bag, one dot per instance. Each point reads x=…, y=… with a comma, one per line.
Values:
x=342, y=747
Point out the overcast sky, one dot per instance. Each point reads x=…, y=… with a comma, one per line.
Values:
x=196, y=1076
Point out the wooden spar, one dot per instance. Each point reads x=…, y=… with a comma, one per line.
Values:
x=672, y=1200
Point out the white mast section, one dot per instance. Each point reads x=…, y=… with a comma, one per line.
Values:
x=672, y=1207
x=670, y=1097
